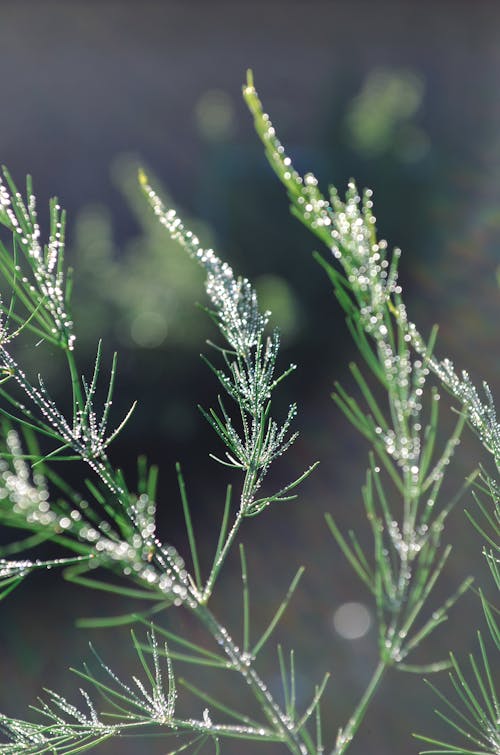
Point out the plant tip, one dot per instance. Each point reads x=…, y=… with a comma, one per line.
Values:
x=249, y=88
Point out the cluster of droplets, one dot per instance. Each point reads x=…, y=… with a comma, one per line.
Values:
x=162, y=704
x=21, y=568
x=46, y=263
x=276, y=443
x=408, y=545
x=234, y=299
x=157, y=704
x=23, y=736
x=141, y=555
x=393, y=644
x=407, y=560
x=216, y=730
x=373, y=279
x=157, y=564
x=86, y=719
x=250, y=381
x=143, y=514
x=5, y=335
x=250, y=377
x=405, y=378
x=481, y=412
x=346, y=227
x=144, y=558
x=255, y=448
x=28, y=495
x=87, y=427
x=86, y=435
x=67, y=723
x=10, y=568
x=73, y=436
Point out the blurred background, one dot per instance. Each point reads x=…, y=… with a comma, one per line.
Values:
x=402, y=96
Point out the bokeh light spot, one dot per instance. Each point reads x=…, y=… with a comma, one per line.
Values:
x=215, y=115
x=148, y=329
x=352, y=620
x=380, y=119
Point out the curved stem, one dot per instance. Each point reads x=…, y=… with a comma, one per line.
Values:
x=345, y=736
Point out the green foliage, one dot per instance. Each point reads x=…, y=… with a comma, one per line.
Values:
x=112, y=527
x=475, y=715
x=371, y=297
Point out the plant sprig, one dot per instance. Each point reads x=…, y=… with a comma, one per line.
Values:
x=407, y=557
x=248, y=377
x=114, y=529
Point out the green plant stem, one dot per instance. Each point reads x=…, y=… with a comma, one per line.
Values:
x=246, y=496
x=346, y=735
x=241, y=662
x=222, y=557
x=75, y=383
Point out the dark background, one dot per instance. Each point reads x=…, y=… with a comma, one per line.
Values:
x=402, y=96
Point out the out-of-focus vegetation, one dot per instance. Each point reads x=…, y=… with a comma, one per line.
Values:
x=136, y=309
x=381, y=119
